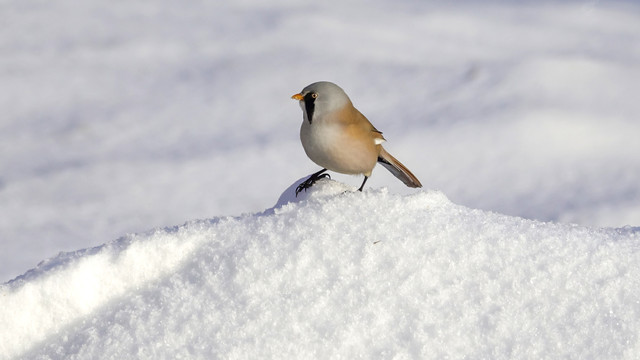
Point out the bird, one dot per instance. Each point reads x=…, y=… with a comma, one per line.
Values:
x=337, y=137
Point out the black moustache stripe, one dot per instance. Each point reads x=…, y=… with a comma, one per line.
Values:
x=309, y=105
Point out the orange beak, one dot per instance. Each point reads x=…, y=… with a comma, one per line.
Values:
x=298, y=97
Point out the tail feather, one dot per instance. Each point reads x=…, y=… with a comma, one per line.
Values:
x=397, y=169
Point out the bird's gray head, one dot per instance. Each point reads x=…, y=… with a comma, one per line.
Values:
x=320, y=98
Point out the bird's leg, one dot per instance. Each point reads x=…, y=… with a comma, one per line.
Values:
x=365, y=180
x=311, y=180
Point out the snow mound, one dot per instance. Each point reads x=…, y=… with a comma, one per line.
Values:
x=335, y=273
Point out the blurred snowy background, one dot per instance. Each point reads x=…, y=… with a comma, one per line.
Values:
x=122, y=116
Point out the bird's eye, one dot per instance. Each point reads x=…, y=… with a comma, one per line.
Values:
x=314, y=95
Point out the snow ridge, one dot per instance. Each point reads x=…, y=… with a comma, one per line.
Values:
x=337, y=274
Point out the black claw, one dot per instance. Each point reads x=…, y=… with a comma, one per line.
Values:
x=305, y=185
x=311, y=180
x=301, y=187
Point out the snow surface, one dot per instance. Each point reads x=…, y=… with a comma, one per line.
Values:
x=119, y=117
x=337, y=273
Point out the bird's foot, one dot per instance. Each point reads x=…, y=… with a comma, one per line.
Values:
x=310, y=181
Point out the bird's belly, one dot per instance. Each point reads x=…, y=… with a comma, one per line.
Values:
x=329, y=147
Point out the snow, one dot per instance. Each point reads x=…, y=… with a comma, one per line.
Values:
x=118, y=118
x=336, y=273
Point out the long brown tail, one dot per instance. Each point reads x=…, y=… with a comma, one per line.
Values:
x=397, y=169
